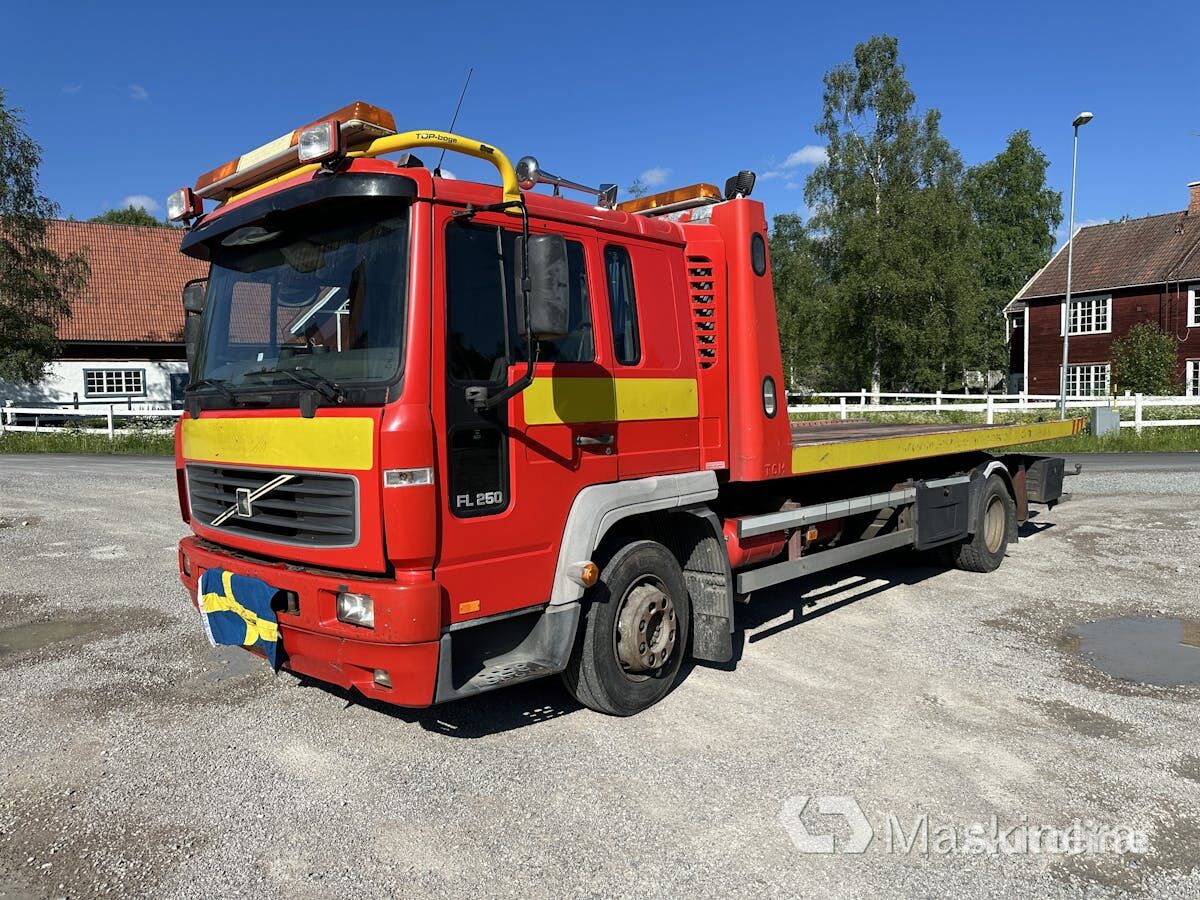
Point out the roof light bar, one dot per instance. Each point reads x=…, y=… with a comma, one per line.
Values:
x=673, y=201
x=357, y=123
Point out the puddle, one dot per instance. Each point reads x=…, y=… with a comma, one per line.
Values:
x=19, y=521
x=1145, y=649
x=35, y=635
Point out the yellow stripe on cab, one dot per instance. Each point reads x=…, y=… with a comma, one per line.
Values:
x=322, y=442
x=554, y=401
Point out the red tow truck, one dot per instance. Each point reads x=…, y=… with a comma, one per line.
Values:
x=469, y=435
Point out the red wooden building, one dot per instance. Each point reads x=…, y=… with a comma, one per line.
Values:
x=1138, y=270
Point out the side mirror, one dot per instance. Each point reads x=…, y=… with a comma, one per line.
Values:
x=549, y=288
x=194, y=294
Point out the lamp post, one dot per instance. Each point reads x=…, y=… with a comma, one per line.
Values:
x=1082, y=119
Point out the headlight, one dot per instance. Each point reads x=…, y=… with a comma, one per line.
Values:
x=320, y=141
x=357, y=609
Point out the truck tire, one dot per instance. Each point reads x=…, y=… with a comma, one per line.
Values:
x=997, y=515
x=634, y=634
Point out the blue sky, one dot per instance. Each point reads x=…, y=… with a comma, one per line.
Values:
x=132, y=100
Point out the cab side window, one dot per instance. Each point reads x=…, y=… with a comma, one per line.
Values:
x=484, y=334
x=475, y=300
x=622, y=305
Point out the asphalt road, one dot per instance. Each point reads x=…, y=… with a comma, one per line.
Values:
x=135, y=760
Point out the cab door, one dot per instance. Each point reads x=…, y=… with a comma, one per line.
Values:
x=657, y=388
x=509, y=474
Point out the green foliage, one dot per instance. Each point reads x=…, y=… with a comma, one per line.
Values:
x=900, y=277
x=36, y=284
x=1144, y=361
x=802, y=303
x=897, y=240
x=1016, y=215
x=637, y=188
x=138, y=444
x=131, y=215
x=1180, y=439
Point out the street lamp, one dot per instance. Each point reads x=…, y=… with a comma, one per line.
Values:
x=1082, y=119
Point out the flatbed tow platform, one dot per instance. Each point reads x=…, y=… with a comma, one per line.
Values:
x=833, y=445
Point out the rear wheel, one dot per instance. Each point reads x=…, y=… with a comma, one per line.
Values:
x=634, y=634
x=995, y=520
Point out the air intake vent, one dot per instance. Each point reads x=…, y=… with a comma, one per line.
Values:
x=308, y=509
x=704, y=310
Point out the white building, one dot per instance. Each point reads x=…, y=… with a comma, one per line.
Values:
x=123, y=342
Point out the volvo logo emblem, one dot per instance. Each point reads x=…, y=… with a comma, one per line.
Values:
x=244, y=507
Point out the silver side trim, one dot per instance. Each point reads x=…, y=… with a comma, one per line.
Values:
x=823, y=512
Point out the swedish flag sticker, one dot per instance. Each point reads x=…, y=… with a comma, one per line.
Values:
x=237, y=611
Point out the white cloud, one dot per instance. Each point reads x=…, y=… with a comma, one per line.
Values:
x=446, y=173
x=72, y=88
x=808, y=155
x=793, y=185
x=652, y=178
x=141, y=201
x=137, y=92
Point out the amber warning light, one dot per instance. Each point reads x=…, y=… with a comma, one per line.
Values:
x=356, y=123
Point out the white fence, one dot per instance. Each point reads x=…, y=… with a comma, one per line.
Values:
x=10, y=415
x=856, y=403
x=863, y=401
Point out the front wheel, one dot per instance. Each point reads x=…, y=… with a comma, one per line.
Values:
x=634, y=634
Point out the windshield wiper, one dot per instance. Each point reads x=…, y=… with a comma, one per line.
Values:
x=314, y=381
x=221, y=386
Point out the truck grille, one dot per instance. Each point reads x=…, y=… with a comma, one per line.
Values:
x=311, y=509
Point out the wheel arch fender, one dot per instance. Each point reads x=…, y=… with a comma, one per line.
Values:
x=979, y=477
x=670, y=509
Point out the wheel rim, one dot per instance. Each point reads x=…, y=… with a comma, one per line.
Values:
x=993, y=524
x=647, y=629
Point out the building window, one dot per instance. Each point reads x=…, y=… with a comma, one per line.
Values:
x=1091, y=315
x=1090, y=380
x=1193, y=377
x=1193, y=311
x=114, y=382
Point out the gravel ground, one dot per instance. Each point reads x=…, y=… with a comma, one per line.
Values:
x=134, y=759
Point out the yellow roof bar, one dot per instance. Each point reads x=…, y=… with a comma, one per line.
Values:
x=469, y=146
x=409, y=140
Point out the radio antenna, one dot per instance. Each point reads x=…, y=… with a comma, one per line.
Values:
x=453, y=119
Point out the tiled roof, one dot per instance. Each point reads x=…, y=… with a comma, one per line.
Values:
x=1153, y=250
x=133, y=293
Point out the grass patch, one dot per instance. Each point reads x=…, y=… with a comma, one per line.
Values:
x=1152, y=440
x=137, y=444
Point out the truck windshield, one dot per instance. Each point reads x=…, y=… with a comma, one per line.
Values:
x=319, y=291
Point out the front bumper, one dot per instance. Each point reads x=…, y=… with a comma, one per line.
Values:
x=404, y=642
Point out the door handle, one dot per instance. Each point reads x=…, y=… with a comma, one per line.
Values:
x=593, y=440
